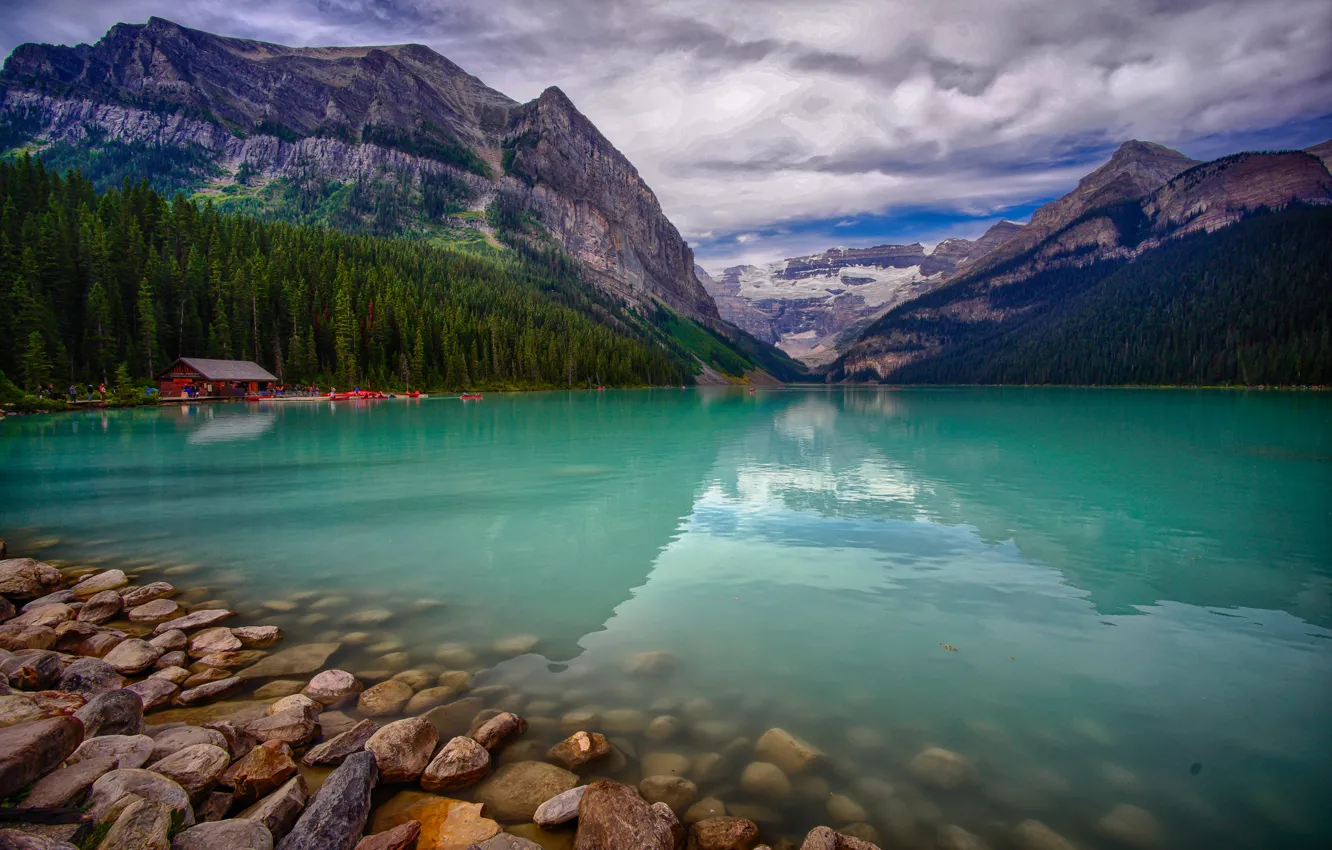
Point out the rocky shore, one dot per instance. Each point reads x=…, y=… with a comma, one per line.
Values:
x=135, y=714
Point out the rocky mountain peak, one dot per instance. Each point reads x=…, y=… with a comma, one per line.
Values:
x=340, y=114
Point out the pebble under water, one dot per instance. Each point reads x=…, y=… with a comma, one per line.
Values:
x=1105, y=603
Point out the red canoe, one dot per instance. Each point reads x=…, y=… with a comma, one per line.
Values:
x=470, y=397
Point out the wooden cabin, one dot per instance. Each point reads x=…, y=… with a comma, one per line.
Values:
x=213, y=377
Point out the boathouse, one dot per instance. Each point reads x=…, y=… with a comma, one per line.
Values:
x=213, y=377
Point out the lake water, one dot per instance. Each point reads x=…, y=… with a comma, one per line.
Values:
x=1138, y=584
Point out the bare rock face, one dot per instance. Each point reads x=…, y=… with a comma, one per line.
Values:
x=598, y=206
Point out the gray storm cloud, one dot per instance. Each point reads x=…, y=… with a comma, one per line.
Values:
x=745, y=114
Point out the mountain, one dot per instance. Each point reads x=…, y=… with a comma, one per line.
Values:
x=809, y=306
x=1131, y=240
x=386, y=140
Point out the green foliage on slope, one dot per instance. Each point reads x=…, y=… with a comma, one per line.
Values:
x=1250, y=304
x=130, y=277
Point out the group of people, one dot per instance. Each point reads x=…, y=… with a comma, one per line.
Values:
x=75, y=390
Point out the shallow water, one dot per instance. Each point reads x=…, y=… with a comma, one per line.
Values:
x=1138, y=584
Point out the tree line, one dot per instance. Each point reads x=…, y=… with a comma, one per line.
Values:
x=94, y=280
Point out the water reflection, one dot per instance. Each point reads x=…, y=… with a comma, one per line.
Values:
x=231, y=426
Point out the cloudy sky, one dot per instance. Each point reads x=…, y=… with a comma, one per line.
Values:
x=770, y=128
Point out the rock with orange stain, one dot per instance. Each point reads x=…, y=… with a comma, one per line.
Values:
x=446, y=824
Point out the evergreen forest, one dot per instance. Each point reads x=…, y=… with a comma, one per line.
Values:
x=92, y=280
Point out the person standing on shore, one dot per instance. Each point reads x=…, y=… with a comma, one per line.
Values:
x=101, y=392
x=73, y=393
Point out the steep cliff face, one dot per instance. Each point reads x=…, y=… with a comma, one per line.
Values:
x=392, y=117
x=1097, y=226
x=811, y=306
x=593, y=199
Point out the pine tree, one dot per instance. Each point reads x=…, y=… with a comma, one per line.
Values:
x=36, y=367
x=99, y=341
x=147, y=324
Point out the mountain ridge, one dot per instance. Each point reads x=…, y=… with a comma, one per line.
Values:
x=267, y=122
x=1088, y=228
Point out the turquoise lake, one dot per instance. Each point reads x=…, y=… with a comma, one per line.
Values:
x=1138, y=584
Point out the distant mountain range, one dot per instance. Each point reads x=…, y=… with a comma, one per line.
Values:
x=812, y=306
x=865, y=308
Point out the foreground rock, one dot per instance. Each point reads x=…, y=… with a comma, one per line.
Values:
x=296, y=661
x=95, y=584
x=26, y=578
x=295, y=726
x=724, y=833
x=445, y=823
x=126, y=750
x=499, y=730
x=333, y=688
x=1034, y=835
x=459, y=763
x=66, y=786
x=386, y=698
x=195, y=768
x=942, y=769
x=142, y=825
x=225, y=835
x=195, y=621
x=209, y=691
x=579, y=749
x=823, y=838
x=112, y=713
x=1130, y=825
x=31, y=750
x=402, y=837
x=174, y=740
x=111, y=792
x=515, y=791
x=335, y=817
x=262, y=771
x=278, y=811
x=779, y=747
x=336, y=749
x=559, y=809
x=675, y=791
x=612, y=816
x=403, y=749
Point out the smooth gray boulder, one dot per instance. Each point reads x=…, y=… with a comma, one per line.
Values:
x=278, y=811
x=128, y=751
x=335, y=817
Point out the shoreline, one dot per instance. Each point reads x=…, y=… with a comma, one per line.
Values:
x=83, y=405
x=452, y=750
